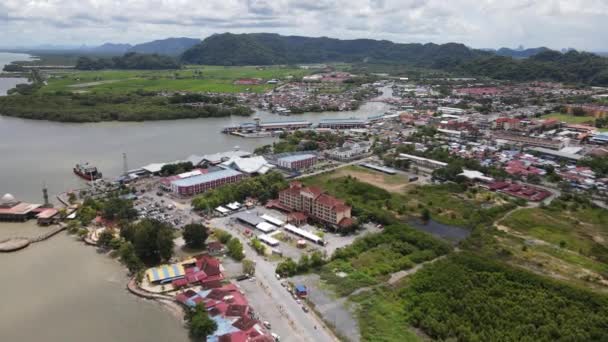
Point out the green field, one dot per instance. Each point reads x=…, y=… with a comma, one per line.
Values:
x=210, y=79
x=571, y=119
x=581, y=229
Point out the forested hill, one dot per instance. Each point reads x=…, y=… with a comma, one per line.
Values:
x=130, y=60
x=169, y=46
x=571, y=67
x=267, y=49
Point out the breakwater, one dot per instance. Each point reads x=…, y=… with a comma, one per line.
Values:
x=16, y=243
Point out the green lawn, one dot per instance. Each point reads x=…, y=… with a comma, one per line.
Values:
x=212, y=79
x=571, y=119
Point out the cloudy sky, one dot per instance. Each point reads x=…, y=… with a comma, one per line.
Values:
x=581, y=24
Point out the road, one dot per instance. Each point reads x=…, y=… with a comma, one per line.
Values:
x=302, y=324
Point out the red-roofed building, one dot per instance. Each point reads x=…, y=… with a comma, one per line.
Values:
x=315, y=204
x=507, y=124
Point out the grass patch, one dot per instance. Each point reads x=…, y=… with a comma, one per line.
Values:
x=211, y=79
x=583, y=230
x=571, y=119
x=371, y=259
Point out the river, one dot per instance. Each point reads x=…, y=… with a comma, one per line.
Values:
x=7, y=83
x=61, y=290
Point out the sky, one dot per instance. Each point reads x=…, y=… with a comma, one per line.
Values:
x=557, y=24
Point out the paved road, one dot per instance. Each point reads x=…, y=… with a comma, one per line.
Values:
x=302, y=324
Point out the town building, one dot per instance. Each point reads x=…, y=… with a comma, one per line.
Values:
x=193, y=183
x=317, y=205
x=523, y=140
x=423, y=162
x=297, y=161
x=450, y=110
x=350, y=150
x=342, y=123
x=507, y=124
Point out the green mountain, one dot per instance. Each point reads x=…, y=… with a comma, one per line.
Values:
x=169, y=46
x=267, y=49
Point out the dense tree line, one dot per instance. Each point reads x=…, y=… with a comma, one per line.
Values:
x=263, y=188
x=175, y=169
x=152, y=240
x=131, y=60
x=93, y=107
x=302, y=141
x=473, y=299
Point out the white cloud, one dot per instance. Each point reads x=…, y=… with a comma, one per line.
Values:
x=478, y=23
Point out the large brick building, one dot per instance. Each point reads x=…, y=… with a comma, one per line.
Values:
x=316, y=204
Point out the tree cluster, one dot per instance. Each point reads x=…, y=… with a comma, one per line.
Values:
x=131, y=60
x=262, y=187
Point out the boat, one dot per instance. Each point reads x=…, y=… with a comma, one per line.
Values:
x=87, y=171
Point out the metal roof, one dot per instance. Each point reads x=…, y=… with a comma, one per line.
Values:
x=206, y=178
x=297, y=157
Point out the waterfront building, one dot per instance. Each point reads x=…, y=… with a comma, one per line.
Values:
x=342, y=123
x=317, y=205
x=297, y=161
x=12, y=209
x=200, y=182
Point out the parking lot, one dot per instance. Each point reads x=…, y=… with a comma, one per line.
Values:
x=163, y=208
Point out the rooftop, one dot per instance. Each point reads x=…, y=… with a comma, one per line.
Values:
x=207, y=177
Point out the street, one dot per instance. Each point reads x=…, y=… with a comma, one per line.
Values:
x=294, y=324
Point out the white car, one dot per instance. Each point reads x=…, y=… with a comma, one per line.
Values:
x=276, y=337
x=267, y=324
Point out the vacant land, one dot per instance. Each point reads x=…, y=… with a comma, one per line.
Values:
x=566, y=240
x=451, y=204
x=393, y=183
x=196, y=79
x=583, y=230
x=571, y=119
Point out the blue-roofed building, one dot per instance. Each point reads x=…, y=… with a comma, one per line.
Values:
x=202, y=182
x=600, y=138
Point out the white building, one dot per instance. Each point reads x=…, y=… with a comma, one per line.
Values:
x=350, y=150
x=450, y=110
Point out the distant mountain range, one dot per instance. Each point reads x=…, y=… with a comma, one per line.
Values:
x=269, y=48
x=173, y=47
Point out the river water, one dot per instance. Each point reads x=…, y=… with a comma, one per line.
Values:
x=61, y=290
x=7, y=83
